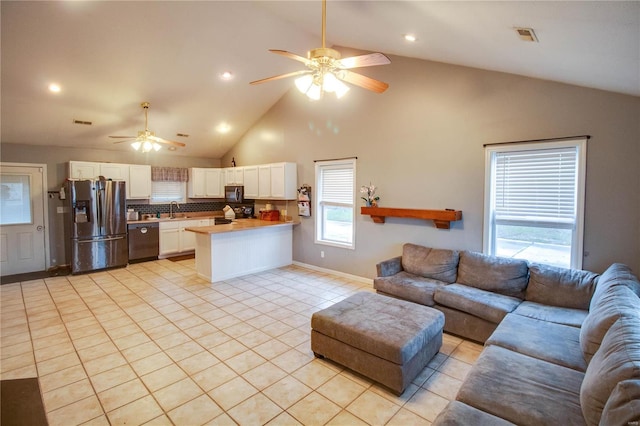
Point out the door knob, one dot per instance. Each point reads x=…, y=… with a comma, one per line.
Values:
x=40, y=228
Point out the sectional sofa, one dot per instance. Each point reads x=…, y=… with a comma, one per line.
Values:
x=562, y=346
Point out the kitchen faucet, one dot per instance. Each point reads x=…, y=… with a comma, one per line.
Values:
x=171, y=213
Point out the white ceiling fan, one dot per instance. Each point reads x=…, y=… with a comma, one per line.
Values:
x=146, y=139
x=327, y=71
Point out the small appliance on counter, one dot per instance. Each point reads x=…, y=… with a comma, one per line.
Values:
x=271, y=215
x=132, y=215
x=228, y=212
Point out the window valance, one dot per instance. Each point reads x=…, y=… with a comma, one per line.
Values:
x=169, y=174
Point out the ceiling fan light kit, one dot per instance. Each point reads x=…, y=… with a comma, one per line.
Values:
x=327, y=71
x=147, y=141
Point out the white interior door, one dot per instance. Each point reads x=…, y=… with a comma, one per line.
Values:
x=22, y=219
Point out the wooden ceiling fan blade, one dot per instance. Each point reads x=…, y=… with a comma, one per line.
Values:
x=278, y=77
x=123, y=137
x=369, y=60
x=363, y=81
x=168, y=142
x=126, y=140
x=291, y=56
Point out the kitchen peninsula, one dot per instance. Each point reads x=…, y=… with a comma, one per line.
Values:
x=242, y=247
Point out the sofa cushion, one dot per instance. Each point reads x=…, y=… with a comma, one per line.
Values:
x=548, y=341
x=437, y=264
x=566, y=316
x=480, y=303
x=618, y=359
x=458, y=413
x=614, y=302
x=495, y=274
x=623, y=406
x=616, y=274
x=568, y=288
x=522, y=389
x=407, y=286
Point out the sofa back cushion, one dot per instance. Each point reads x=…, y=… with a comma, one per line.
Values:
x=491, y=273
x=616, y=274
x=617, y=360
x=437, y=264
x=611, y=305
x=567, y=288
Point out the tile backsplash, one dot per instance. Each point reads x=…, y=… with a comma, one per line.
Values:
x=184, y=207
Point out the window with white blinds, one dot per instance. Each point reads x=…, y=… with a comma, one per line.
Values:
x=534, y=201
x=536, y=185
x=335, y=181
x=164, y=192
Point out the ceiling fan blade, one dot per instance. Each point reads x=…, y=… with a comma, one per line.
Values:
x=123, y=137
x=369, y=60
x=165, y=141
x=125, y=140
x=291, y=56
x=363, y=81
x=278, y=77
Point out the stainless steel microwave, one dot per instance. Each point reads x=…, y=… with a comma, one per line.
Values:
x=234, y=194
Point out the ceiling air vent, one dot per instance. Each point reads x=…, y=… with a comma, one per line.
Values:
x=86, y=123
x=182, y=135
x=526, y=34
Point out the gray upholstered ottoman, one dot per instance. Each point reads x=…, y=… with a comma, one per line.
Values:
x=386, y=339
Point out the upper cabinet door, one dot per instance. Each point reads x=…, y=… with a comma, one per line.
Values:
x=115, y=171
x=139, y=186
x=196, y=184
x=234, y=176
x=83, y=170
x=284, y=181
x=213, y=183
x=251, y=182
x=264, y=181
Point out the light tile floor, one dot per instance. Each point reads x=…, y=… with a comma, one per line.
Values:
x=154, y=344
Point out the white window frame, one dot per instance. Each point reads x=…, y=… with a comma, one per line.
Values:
x=166, y=186
x=320, y=203
x=577, y=227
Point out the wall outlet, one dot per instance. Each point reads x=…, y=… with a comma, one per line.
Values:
x=59, y=209
x=322, y=254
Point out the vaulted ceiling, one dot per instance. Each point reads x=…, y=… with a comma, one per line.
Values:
x=109, y=56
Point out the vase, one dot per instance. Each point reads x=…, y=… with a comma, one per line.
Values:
x=374, y=203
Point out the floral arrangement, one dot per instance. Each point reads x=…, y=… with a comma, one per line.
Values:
x=372, y=198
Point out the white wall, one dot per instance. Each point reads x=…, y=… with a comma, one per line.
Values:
x=421, y=143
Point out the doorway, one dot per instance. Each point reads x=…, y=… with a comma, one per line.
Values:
x=23, y=222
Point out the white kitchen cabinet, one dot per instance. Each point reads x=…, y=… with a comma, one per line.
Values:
x=139, y=185
x=277, y=181
x=234, y=176
x=169, y=238
x=83, y=170
x=174, y=239
x=114, y=171
x=264, y=181
x=188, y=238
x=205, y=183
x=284, y=181
x=250, y=182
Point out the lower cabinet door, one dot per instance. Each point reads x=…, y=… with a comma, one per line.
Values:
x=169, y=241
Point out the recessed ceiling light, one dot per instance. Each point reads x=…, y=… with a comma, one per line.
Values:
x=223, y=128
x=410, y=37
x=54, y=87
x=226, y=75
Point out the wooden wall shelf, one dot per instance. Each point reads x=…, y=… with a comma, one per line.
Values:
x=441, y=218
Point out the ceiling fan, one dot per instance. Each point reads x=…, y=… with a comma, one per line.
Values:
x=327, y=71
x=146, y=139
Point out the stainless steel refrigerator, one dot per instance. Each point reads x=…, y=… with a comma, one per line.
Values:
x=97, y=223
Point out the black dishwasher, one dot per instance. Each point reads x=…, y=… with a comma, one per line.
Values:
x=144, y=241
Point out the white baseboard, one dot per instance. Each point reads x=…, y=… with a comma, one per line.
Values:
x=338, y=273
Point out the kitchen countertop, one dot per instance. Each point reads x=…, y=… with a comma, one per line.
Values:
x=238, y=225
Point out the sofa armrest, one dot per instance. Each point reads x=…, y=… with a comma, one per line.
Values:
x=389, y=267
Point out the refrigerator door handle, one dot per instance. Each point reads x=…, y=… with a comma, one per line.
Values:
x=100, y=206
x=100, y=240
